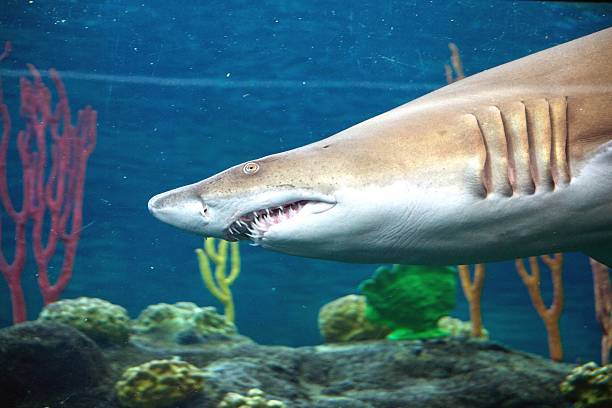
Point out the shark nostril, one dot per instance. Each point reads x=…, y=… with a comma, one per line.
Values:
x=204, y=210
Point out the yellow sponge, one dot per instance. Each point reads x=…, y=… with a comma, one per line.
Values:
x=159, y=384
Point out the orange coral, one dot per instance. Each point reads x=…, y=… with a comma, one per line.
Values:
x=457, y=67
x=550, y=315
x=603, y=307
x=472, y=290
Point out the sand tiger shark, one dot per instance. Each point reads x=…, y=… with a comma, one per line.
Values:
x=512, y=162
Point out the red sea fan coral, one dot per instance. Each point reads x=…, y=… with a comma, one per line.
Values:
x=54, y=194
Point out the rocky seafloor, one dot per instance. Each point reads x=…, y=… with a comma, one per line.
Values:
x=53, y=365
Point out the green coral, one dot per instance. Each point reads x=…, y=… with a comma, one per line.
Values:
x=183, y=323
x=589, y=386
x=344, y=320
x=100, y=320
x=255, y=398
x=410, y=299
x=159, y=384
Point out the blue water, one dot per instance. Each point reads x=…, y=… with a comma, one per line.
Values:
x=185, y=90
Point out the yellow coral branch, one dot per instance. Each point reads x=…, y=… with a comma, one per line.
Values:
x=235, y=271
x=206, y=273
x=219, y=286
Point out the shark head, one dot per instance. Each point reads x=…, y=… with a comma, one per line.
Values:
x=360, y=195
x=292, y=202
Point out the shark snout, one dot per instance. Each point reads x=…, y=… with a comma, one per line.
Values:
x=181, y=207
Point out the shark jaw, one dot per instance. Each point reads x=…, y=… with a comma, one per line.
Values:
x=265, y=225
x=265, y=219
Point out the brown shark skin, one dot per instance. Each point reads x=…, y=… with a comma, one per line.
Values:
x=523, y=129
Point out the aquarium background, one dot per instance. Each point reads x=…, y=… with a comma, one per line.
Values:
x=184, y=90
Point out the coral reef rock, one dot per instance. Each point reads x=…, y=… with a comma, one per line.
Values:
x=46, y=363
x=100, y=320
x=159, y=384
x=182, y=323
x=589, y=386
x=437, y=373
x=255, y=398
x=456, y=372
x=344, y=320
x=458, y=328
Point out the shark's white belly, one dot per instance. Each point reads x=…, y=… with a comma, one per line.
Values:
x=471, y=229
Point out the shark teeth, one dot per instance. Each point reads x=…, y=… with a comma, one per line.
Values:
x=253, y=225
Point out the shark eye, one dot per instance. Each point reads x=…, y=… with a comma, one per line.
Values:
x=250, y=168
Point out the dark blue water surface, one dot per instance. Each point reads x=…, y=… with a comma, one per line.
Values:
x=186, y=89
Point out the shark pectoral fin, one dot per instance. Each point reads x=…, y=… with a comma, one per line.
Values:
x=602, y=254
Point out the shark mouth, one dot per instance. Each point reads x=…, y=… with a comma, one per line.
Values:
x=255, y=224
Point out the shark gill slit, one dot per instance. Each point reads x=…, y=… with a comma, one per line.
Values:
x=559, y=141
x=553, y=159
x=566, y=157
x=514, y=120
x=565, y=151
x=496, y=169
x=486, y=169
x=510, y=155
x=533, y=172
x=538, y=144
